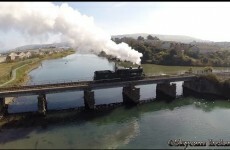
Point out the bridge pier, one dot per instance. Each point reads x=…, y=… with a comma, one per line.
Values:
x=186, y=89
x=131, y=95
x=165, y=91
x=89, y=99
x=3, y=106
x=42, y=104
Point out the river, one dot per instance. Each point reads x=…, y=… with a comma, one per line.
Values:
x=149, y=125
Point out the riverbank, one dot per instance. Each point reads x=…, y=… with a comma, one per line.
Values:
x=7, y=68
x=20, y=75
x=208, y=86
x=26, y=66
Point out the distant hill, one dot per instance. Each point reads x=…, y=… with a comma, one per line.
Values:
x=176, y=38
x=203, y=46
x=224, y=45
x=37, y=46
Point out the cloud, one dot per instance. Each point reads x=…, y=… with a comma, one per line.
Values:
x=39, y=20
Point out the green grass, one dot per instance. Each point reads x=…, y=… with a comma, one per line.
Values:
x=5, y=69
x=58, y=55
x=152, y=69
x=158, y=69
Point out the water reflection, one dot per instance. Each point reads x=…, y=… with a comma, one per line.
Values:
x=122, y=113
x=106, y=96
x=79, y=67
x=208, y=106
x=109, y=136
x=23, y=104
x=144, y=126
x=179, y=88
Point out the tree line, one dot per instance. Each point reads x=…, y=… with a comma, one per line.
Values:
x=156, y=51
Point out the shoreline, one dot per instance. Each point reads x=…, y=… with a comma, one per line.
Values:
x=14, y=75
x=32, y=66
x=26, y=80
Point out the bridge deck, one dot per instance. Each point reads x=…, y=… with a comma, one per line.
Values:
x=78, y=86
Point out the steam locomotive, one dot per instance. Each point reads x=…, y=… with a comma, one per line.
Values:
x=121, y=74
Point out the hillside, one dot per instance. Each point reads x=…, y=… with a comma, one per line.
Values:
x=176, y=38
x=37, y=46
x=203, y=46
x=160, y=52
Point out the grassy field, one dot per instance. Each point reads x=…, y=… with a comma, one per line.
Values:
x=158, y=69
x=152, y=69
x=21, y=74
x=5, y=69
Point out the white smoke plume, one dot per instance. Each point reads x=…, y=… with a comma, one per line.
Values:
x=42, y=18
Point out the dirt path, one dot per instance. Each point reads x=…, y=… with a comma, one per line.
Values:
x=13, y=77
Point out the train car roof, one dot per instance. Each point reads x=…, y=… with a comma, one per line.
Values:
x=103, y=71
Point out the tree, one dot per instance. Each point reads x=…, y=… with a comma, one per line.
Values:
x=190, y=70
x=8, y=59
x=140, y=38
x=208, y=69
x=102, y=53
x=173, y=52
x=204, y=60
x=150, y=37
x=156, y=38
x=117, y=40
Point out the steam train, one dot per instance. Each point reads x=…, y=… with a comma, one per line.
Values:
x=121, y=74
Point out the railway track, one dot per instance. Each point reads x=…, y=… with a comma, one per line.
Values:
x=81, y=83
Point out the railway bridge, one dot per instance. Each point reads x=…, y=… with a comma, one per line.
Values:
x=131, y=94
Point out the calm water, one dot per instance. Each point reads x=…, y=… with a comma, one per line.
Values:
x=146, y=126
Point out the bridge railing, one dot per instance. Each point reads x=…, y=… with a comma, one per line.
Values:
x=59, y=81
x=166, y=73
x=83, y=81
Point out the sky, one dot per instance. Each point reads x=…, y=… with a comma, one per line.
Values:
x=203, y=20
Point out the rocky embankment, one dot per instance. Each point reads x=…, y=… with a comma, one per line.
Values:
x=208, y=86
